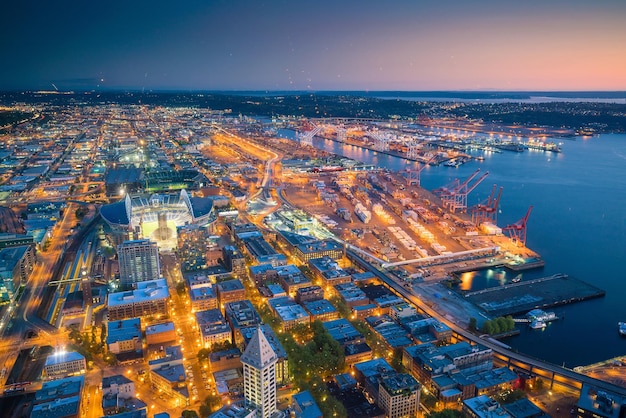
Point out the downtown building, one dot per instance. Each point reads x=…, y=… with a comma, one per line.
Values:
x=259, y=375
x=139, y=262
x=149, y=299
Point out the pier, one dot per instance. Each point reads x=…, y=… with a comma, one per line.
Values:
x=546, y=292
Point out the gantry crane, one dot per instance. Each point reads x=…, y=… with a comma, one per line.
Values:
x=306, y=137
x=517, y=231
x=487, y=211
x=381, y=141
x=341, y=132
x=454, y=195
x=413, y=176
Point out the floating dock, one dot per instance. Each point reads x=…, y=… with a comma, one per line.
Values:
x=546, y=292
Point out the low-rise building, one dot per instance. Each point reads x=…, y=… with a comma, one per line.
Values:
x=63, y=364
x=363, y=311
x=213, y=327
x=59, y=408
x=159, y=334
x=230, y=291
x=202, y=297
x=321, y=310
x=342, y=331
x=149, y=299
x=171, y=380
x=291, y=278
x=168, y=375
x=239, y=315
x=351, y=295
x=309, y=293
x=317, y=249
x=59, y=395
x=119, y=385
x=427, y=360
x=304, y=406
x=392, y=334
x=483, y=407
x=235, y=410
x=289, y=312
x=234, y=260
x=369, y=373
x=225, y=360
x=594, y=402
x=124, y=336
x=328, y=271
x=523, y=408
x=356, y=353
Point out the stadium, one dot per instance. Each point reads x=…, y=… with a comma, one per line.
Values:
x=157, y=216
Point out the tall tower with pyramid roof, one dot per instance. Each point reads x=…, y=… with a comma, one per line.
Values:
x=259, y=374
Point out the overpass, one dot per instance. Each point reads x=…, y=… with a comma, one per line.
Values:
x=502, y=355
x=447, y=258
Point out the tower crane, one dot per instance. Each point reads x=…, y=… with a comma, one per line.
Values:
x=487, y=211
x=517, y=231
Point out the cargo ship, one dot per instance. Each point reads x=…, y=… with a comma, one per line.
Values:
x=510, y=146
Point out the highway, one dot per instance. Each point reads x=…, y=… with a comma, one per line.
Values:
x=554, y=373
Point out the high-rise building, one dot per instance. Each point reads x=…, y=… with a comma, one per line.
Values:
x=139, y=262
x=259, y=374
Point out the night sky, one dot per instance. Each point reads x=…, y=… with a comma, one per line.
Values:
x=314, y=44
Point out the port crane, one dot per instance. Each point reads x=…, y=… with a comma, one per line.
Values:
x=381, y=142
x=517, y=231
x=341, y=133
x=306, y=137
x=413, y=176
x=487, y=211
x=413, y=149
x=454, y=195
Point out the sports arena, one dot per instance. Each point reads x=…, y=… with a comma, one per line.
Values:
x=156, y=216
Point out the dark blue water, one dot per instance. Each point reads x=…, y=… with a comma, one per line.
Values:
x=578, y=225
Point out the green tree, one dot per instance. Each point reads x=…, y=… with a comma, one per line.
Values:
x=204, y=354
x=213, y=402
x=181, y=289
x=103, y=333
x=516, y=395
x=473, y=324
x=446, y=413
x=487, y=327
x=188, y=413
x=510, y=323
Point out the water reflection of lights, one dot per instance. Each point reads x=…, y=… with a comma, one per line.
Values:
x=466, y=280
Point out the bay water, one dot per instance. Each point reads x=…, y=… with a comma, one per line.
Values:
x=578, y=226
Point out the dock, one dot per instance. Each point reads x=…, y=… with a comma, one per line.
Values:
x=546, y=292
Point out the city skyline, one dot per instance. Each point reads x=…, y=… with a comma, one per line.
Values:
x=244, y=45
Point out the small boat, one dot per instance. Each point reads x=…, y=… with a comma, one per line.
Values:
x=621, y=328
x=516, y=279
x=537, y=325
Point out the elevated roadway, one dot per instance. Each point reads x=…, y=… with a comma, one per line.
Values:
x=555, y=374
